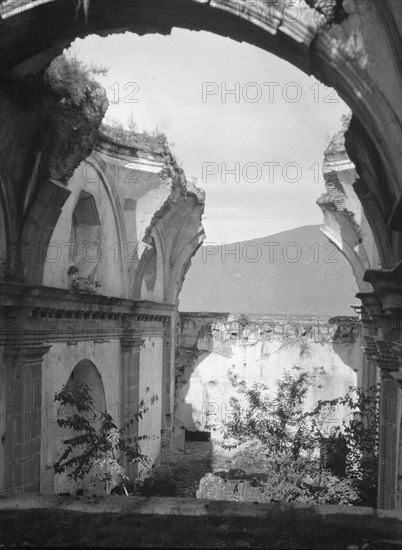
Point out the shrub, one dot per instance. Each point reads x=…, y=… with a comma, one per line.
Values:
x=96, y=444
x=303, y=461
x=86, y=285
x=70, y=80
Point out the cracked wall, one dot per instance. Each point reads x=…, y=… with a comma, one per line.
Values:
x=211, y=344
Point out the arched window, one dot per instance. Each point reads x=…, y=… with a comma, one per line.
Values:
x=150, y=268
x=85, y=235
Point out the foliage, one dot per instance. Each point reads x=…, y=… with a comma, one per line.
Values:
x=71, y=81
x=332, y=10
x=306, y=461
x=8, y=273
x=116, y=131
x=361, y=437
x=278, y=421
x=86, y=285
x=96, y=443
x=243, y=321
x=288, y=480
x=130, y=135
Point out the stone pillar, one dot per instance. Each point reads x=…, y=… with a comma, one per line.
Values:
x=24, y=418
x=390, y=422
x=383, y=337
x=167, y=375
x=167, y=411
x=399, y=487
x=129, y=391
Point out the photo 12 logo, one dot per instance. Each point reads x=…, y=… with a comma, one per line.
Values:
x=268, y=92
x=266, y=172
x=271, y=251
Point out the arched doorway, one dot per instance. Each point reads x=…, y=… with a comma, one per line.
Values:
x=86, y=373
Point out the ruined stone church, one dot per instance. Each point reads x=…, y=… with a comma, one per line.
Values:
x=97, y=234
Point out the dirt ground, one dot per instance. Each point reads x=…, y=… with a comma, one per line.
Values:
x=184, y=522
x=181, y=475
x=43, y=527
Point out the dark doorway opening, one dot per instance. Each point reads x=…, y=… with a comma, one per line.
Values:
x=197, y=435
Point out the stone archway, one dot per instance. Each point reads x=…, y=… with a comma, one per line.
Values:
x=359, y=55
x=84, y=372
x=351, y=53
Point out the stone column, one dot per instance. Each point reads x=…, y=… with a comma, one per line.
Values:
x=129, y=391
x=390, y=421
x=167, y=375
x=167, y=410
x=24, y=418
x=382, y=347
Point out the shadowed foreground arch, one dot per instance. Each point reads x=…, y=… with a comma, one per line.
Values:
x=359, y=54
x=34, y=34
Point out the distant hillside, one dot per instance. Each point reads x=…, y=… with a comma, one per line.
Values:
x=296, y=271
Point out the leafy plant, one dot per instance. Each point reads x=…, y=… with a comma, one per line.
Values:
x=130, y=135
x=306, y=461
x=360, y=436
x=87, y=285
x=9, y=273
x=243, y=321
x=287, y=480
x=276, y=420
x=71, y=80
x=96, y=444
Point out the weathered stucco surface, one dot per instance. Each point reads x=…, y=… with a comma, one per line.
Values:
x=209, y=346
x=114, y=210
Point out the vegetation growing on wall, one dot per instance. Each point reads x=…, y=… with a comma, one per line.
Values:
x=86, y=285
x=360, y=435
x=8, y=272
x=152, y=142
x=71, y=80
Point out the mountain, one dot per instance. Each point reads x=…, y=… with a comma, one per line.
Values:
x=296, y=271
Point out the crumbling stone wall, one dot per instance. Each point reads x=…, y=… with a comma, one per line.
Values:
x=352, y=45
x=117, y=308
x=261, y=351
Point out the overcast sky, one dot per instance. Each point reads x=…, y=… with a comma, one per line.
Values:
x=271, y=132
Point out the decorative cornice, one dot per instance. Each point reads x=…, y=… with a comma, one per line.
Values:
x=42, y=314
x=387, y=284
x=371, y=304
x=130, y=342
x=386, y=354
x=50, y=302
x=26, y=354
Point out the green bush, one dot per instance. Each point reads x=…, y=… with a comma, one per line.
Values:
x=96, y=444
x=71, y=81
x=304, y=462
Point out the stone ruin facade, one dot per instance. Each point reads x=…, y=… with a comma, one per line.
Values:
x=209, y=345
x=57, y=184
x=125, y=226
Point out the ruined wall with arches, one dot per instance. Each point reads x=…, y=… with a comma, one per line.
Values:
x=351, y=45
x=107, y=303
